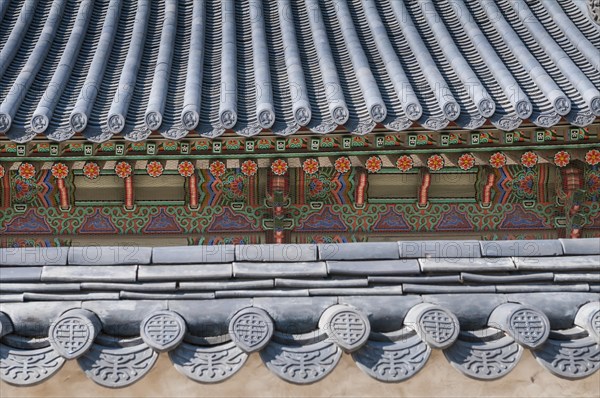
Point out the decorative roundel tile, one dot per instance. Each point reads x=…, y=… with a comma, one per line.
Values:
x=163, y=330
x=251, y=329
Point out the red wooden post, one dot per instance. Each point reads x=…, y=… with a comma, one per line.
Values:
x=361, y=188
x=487, y=190
x=63, y=193
x=129, y=192
x=424, y=189
x=193, y=190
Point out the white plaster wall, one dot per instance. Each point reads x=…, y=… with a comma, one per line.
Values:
x=438, y=378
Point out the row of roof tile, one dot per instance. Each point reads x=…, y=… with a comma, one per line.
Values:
x=303, y=253
x=115, y=67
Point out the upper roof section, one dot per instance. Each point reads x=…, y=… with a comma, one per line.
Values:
x=205, y=66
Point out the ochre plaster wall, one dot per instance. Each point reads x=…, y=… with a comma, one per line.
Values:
x=438, y=378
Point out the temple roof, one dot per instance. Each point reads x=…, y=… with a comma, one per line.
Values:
x=104, y=68
x=215, y=305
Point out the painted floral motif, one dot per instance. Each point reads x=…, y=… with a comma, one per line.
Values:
x=404, y=163
x=1, y=171
x=279, y=167
x=60, y=171
x=233, y=144
x=26, y=171
x=185, y=169
x=529, y=159
x=315, y=187
x=319, y=186
x=562, y=158
x=21, y=189
x=154, y=169
x=170, y=145
x=389, y=140
x=435, y=162
x=498, y=160
x=466, y=161
x=263, y=144
x=295, y=143
x=233, y=186
x=327, y=142
x=592, y=183
x=123, y=169
x=592, y=157
x=91, y=170
x=342, y=165
x=423, y=139
x=524, y=185
x=310, y=166
x=217, y=169
x=358, y=141
x=373, y=164
x=249, y=168
x=202, y=145
x=138, y=146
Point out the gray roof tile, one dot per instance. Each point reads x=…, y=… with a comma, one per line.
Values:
x=142, y=287
x=33, y=319
x=39, y=287
x=520, y=278
x=295, y=294
x=186, y=272
x=528, y=288
x=70, y=297
x=271, y=270
x=213, y=320
x=276, y=253
x=227, y=285
x=359, y=251
x=304, y=318
x=473, y=316
x=123, y=317
x=367, y=291
x=107, y=273
x=193, y=254
x=20, y=274
x=12, y=298
x=315, y=283
x=563, y=263
x=440, y=249
x=440, y=46
x=374, y=267
x=580, y=246
x=560, y=308
x=521, y=248
x=33, y=256
x=415, y=279
x=109, y=255
x=125, y=295
x=437, y=289
x=466, y=264
x=577, y=277
x=386, y=313
x=261, y=293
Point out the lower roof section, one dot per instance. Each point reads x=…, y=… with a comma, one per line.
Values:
x=300, y=307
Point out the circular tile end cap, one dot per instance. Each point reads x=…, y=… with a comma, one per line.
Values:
x=163, y=330
x=528, y=326
x=437, y=326
x=348, y=327
x=251, y=329
x=73, y=333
